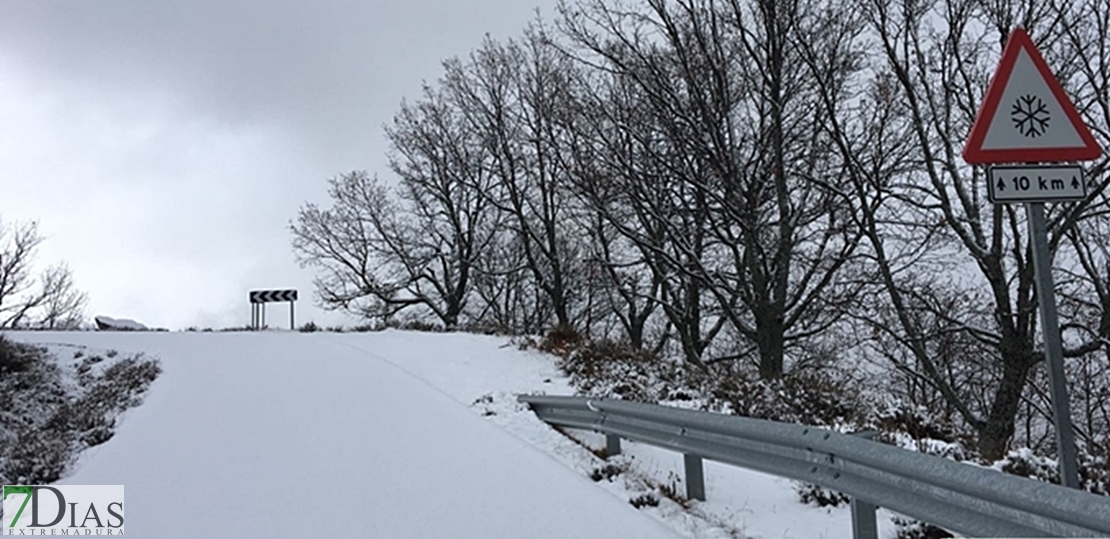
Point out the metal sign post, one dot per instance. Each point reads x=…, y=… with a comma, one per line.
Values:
x=1054, y=348
x=1040, y=125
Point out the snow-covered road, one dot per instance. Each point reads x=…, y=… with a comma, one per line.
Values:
x=293, y=435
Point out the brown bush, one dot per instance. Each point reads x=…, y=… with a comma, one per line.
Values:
x=561, y=340
x=14, y=357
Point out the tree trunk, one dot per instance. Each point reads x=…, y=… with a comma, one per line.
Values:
x=770, y=339
x=998, y=429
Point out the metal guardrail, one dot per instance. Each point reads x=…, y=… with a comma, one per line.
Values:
x=959, y=497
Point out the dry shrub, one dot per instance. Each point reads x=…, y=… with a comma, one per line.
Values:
x=806, y=398
x=820, y=496
x=644, y=500
x=607, y=472
x=611, y=369
x=561, y=340
x=909, y=528
x=13, y=357
x=414, y=324
x=918, y=422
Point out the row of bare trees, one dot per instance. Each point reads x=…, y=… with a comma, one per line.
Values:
x=761, y=182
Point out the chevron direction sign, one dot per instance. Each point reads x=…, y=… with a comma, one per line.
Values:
x=259, y=299
x=269, y=296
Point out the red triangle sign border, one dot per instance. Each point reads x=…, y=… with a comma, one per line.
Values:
x=974, y=152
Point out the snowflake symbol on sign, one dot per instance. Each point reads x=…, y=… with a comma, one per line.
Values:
x=1030, y=116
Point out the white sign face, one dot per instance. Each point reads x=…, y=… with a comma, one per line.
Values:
x=1029, y=116
x=1035, y=184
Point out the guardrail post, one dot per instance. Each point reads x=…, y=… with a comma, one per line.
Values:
x=612, y=445
x=864, y=525
x=695, y=477
x=863, y=520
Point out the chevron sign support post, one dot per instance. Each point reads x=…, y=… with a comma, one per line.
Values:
x=259, y=299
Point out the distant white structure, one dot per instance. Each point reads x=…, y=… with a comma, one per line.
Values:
x=105, y=323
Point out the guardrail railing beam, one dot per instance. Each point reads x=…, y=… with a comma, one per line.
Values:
x=965, y=499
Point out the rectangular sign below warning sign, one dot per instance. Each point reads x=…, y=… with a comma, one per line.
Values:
x=1035, y=184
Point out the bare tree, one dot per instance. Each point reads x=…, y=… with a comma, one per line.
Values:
x=509, y=299
x=380, y=255
x=647, y=236
x=49, y=301
x=353, y=244
x=63, y=306
x=743, y=164
x=444, y=173
x=513, y=96
x=930, y=217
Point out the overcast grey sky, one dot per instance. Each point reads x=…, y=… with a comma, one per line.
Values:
x=164, y=145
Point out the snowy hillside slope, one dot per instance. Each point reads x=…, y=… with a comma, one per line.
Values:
x=391, y=434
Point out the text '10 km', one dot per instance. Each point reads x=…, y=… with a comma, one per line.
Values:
x=1035, y=183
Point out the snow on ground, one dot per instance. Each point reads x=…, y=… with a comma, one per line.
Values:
x=392, y=434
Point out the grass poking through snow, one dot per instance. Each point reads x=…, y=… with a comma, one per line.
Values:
x=51, y=411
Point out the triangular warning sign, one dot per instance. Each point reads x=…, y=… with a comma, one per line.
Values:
x=1026, y=116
